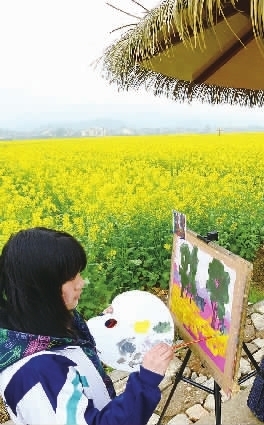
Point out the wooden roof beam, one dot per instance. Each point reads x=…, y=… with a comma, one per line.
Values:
x=225, y=57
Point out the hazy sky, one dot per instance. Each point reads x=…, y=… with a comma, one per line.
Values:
x=47, y=48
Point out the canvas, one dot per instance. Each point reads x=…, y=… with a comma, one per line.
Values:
x=208, y=300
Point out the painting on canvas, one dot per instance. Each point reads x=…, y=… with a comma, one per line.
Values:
x=208, y=299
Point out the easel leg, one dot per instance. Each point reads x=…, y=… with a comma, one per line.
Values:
x=177, y=380
x=251, y=358
x=179, y=377
x=253, y=362
x=218, y=401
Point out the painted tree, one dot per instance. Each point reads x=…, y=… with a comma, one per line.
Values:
x=188, y=270
x=184, y=266
x=217, y=286
x=193, y=271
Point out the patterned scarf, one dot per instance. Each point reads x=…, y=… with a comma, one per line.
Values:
x=16, y=345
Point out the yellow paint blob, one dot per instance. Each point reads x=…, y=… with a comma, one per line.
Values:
x=142, y=327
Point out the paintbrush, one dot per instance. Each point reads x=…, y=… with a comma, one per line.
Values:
x=194, y=341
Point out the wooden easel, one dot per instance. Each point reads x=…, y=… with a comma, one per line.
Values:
x=216, y=391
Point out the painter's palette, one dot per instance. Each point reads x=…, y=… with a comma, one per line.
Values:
x=138, y=322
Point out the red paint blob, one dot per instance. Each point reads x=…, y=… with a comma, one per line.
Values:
x=110, y=323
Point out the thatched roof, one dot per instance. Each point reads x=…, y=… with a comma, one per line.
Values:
x=176, y=50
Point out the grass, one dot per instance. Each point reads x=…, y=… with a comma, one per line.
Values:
x=256, y=292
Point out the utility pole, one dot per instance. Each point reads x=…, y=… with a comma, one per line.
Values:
x=219, y=130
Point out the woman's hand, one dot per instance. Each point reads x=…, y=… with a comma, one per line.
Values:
x=108, y=310
x=158, y=358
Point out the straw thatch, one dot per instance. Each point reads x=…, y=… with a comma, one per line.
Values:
x=184, y=20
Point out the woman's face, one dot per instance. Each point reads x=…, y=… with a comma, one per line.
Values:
x=71, y=291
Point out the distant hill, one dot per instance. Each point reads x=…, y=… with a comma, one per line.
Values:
x=182, y=117
x=103, y=127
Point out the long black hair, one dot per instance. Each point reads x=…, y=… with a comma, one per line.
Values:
x=34, y=265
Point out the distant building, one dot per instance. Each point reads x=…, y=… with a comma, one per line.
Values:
x=94, y=132
x=127, y=131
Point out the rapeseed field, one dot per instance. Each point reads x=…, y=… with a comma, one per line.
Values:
x=116, y=195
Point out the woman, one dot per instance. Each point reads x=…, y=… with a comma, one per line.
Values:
x=255, y=399
x=49, y=369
